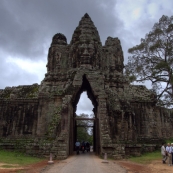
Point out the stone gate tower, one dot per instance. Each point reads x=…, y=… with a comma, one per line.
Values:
x=43, y=116
x=82, y=65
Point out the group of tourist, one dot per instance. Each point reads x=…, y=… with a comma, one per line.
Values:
x=167, y=153
x=82, y=146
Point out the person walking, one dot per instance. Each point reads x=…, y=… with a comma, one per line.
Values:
x=163, y=153
x=77, y=144
x=169, y=151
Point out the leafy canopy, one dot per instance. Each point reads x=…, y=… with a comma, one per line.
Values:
x=84, y=131
x=152, y=60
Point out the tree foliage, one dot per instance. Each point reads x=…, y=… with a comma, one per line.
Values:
x=85, y=133
x=152, y=60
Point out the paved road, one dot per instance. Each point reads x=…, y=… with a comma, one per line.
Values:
x=84, y=163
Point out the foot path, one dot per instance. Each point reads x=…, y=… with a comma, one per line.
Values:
x=84, y=163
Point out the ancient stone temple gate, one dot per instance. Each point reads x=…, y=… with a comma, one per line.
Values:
x=40, y=119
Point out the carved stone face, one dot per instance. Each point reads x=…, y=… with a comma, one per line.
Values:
x=86, y=53
x=87, y=44
x=86, y=49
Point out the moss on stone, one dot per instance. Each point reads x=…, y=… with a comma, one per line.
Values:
x=55, y=120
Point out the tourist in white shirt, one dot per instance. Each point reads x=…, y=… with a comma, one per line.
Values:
x=77, y=144
x=163, y=153
x=169, y=151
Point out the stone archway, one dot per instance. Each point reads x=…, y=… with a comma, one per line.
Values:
x=82, y=65
x=85, y=87
x=121, y=110
x=42, y=115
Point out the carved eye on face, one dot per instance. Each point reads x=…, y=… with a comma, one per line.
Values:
x=90, y=50
x=81, y=50
x=91, y=46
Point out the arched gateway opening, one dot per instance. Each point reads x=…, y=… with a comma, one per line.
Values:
x=85, y=119
x=85, y=87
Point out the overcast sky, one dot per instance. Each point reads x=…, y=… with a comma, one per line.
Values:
x=27, y=28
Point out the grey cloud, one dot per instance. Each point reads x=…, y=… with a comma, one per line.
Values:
x=141, y=27
x=27, y=25
x=27, y=28
x=18, y=41
x=12, y=75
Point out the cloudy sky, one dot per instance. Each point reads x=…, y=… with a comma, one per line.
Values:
x=27, y=28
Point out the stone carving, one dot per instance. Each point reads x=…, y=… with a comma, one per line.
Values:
x=13, y=94
x=54, y=60
x=86, y=45
x=66, y=101
x=126, y=116
x=114, y=54
x=59, y=39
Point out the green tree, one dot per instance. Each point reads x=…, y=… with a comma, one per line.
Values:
x=84, y=133
x=152, y=60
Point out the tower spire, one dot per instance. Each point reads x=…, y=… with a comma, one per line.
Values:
x=85, y=31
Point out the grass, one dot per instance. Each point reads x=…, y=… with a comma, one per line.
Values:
x=146, y=158
x=8, y=166
x=14, y=157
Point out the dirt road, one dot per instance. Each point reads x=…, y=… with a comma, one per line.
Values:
x=89, y=163
x=85, y=163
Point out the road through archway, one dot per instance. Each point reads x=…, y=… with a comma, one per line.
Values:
x=85, y=163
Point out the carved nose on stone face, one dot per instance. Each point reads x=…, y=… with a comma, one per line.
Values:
x=86, y=53
x=85, y=58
